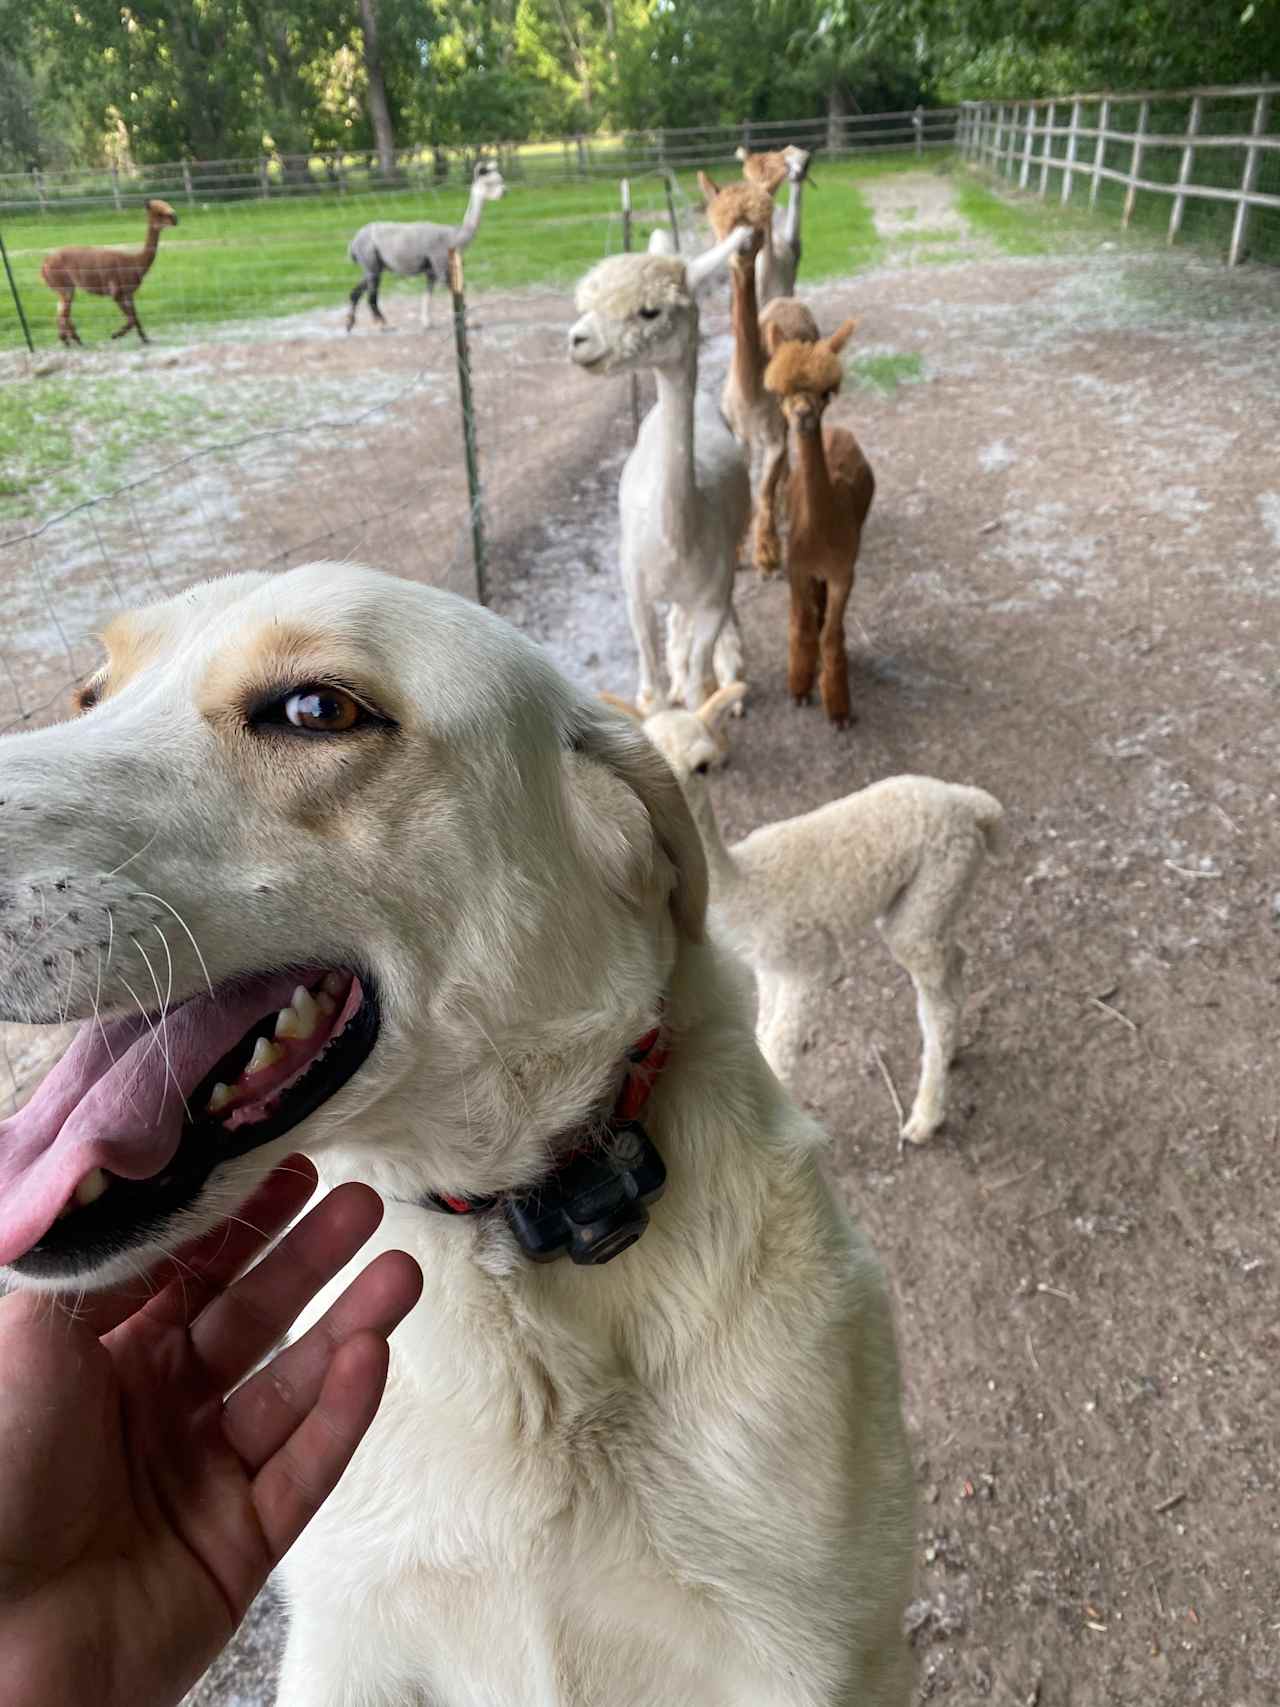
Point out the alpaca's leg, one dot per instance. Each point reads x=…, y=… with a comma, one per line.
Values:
x=835, y=664
x=375, y=279
x=644, y=629
x=727, y=659
x=427, y=295
x=802, y=662
x=780, y=1021
x=917, y=931
x=768, y=547
x=356, y=294
x=706, y=623
x=66, y=326
x=679, y=640
x=124, y=302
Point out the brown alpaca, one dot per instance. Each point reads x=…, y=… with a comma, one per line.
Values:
x=770, y=171
x=828, y=495
x=116, y=273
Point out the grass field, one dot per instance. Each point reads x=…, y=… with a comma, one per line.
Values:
x=242, y=260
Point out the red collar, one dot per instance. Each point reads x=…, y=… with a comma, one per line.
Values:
x=645, y=1060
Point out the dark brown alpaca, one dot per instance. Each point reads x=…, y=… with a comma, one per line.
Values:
x=116, y=273
x=829, y=491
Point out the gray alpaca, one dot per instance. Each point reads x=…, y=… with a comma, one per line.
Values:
x=418, y=248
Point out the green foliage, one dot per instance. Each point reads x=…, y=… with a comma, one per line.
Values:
x=886, y=372
x=1016, y=228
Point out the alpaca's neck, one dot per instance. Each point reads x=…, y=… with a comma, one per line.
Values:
x=723, y=871
x=147, y=253
x=470, y=225
x=792, y=227
x=748, y=363
x=811, y=484
x=677, y=385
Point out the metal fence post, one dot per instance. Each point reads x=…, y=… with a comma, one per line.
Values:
x=469, y=449
x=1072, y=139
x=1248, y=183
x=1135, y=163
x=17, y=300
x=1100, y=150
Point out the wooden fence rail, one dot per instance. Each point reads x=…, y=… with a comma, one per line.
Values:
x=1015, y=138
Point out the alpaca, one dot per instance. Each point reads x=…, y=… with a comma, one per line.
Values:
x=829, y=491
x=417, y=248
x=752, y=412
x=116, y=273
x=685, y=494
x=779, y=261
x=796, y=897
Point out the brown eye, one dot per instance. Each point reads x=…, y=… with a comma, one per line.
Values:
x=650, y=313
x=329, y=710
x=85, y=698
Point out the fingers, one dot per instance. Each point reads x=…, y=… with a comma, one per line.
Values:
x=259, y=1418
x=180, y=1286
x=295, y=1482
x=241, y=1325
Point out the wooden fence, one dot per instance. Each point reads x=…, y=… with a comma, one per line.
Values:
x=1223, y=151
x=342, y=172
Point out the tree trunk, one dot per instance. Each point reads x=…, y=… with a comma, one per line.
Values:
x=837, y=112
x=379, y=110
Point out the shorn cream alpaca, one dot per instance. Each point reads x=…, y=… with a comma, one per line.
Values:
x=796, y=898
x=779, y=259
x=685, y=494
x=754, y=413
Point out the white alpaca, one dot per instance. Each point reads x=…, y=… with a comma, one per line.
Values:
x=796, y=897
x=685, y=494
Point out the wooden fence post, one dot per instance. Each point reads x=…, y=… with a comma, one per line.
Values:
x=263, y=180
x=115, y=186
x=186, y=182
x=668, y=180
x=1248, y=183
x=917, y=120
x=1135, y=163
x=1025, y=173
x=997, y=135
x=1100, y=150
x=1070, y=166
x=1046, y=153
x=1184, y=171
x=1006, y=165
x=37, y=177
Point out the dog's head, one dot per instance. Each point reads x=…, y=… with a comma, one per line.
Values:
x=327, y=858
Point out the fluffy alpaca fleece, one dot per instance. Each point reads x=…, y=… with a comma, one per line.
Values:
x=678, y=1479
x=786, y=320
x=736, y=204
x=812, y=367
x=798, y=897
x=684, y=499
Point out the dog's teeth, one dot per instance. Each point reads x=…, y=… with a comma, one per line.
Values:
x=91, y=1188
x=299, y=1019
x=326, y=1004
x=334, y=983
x=219, y=1097
x=265, y=1054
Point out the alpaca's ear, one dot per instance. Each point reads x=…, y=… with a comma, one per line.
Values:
x=840, y=337
x=721, y=703
x=772, y=337
x=740, y=153
x=710, y=189
x=643, y=770
x=623, y=705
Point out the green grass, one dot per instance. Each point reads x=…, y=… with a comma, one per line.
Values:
x=251, y=259
x=1016, y=228
x=885, y=373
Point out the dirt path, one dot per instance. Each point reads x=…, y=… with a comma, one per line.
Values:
x=1068, y=593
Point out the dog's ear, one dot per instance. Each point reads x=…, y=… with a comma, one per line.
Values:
x=637, y=764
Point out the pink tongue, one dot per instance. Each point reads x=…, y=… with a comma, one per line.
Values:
x=126, y=1117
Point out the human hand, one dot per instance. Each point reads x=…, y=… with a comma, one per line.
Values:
x=141, y=1508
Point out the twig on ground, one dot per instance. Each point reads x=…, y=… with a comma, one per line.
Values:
x=1169, y=1504
x=1107, y=1008
x=1000, y=1184
x=893, y=1092
x=1226, y=817
x=1032, y=1351
x=1056, y=1292
x=1186, y=871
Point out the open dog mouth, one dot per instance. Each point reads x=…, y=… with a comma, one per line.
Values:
x=129, y=1125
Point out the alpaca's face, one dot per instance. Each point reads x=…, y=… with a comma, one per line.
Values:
x=161, y=213
x=804, y=410
x=634, y=311
x=491, y=184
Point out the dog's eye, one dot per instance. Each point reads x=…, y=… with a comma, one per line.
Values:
x=328, y=710
x=650, y=313
x=85, y=698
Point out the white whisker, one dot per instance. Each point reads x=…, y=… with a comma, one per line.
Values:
x=160, y=900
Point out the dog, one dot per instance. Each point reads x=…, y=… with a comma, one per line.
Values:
x=332, y=861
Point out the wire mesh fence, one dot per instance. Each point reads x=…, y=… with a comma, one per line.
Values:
x=1196, y=164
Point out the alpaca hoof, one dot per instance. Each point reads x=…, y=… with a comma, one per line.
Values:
x=768, y=558
x=920, y=1128
x=802, y=699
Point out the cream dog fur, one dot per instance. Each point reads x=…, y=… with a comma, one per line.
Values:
x=678, y=1479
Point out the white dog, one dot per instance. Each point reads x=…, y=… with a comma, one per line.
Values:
x=411, y=902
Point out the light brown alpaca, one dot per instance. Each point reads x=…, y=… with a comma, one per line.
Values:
x=828, y=495
x=116, y=273
x=770, y=171
x=752, y=412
